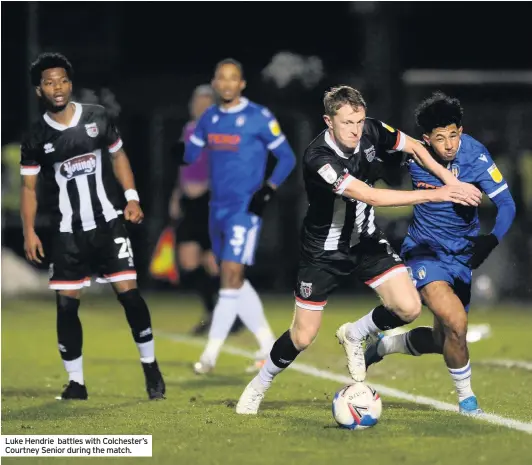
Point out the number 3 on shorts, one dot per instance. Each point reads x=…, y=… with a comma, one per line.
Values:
x=238, y=239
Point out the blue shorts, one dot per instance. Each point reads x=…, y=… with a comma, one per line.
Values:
x=427, y=266
x=234, y=235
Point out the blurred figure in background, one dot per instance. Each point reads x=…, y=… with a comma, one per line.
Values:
x=237, y=134
x=189, y=211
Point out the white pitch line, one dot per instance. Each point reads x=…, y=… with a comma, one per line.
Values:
x=506, y=363
x=384, y=390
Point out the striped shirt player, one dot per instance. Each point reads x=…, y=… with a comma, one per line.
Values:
x=340, y=238
x=80, y=193
x=339, y=235
x=75, y=150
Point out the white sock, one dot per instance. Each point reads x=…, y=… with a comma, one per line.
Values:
x=462, y=381
x=266, y=374
x=362, y=328
x=396, y=344
x=147, y=351
x=251, y=312
x=223, y=317
x=74, y=369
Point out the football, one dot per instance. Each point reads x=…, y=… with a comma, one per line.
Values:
x=357, y=406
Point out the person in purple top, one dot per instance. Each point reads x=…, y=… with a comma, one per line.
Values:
x=189, y=209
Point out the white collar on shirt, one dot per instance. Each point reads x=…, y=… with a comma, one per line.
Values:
x=329, y=141
x=243, y=104
x=73, y=122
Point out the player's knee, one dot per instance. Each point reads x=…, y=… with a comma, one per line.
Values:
x=303, y=332
x=67, y=304
x=409, y=307
x=232, y=275
x=456, y=328
x=302, y=337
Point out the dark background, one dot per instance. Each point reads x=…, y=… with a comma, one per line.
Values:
x=152, y=55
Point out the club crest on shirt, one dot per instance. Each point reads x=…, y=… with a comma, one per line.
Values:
x=240, y=121
x=455, y=169
x=421, y=272
x=370, y=153
x=92, y=129
x=305, y=289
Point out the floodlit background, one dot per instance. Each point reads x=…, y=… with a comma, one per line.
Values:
x=142, y=60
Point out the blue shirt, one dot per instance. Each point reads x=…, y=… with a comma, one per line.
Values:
x=442, y=226
x=237, y=141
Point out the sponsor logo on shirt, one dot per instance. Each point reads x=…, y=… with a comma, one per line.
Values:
x=424, y=185
x=224, y=142
x=78, y=166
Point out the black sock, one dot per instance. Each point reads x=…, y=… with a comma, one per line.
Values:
x=283, y=351
x=137, y=314
x=420, y=341
x=205, y=285
x=69, y=331
x=385, y=319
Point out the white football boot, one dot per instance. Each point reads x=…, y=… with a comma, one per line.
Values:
x=354, y=350
x=250, y=400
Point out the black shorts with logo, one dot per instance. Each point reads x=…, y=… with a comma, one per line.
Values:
x=372, y=261
x=194, y=224
x=104, y=251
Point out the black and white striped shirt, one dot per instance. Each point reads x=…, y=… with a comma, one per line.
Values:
x=333, y=222
x=75, y=166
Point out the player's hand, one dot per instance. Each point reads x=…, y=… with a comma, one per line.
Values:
x=33, y=247
x=474, y=195
x=133, y=212
x=260, y=199
x=451, y=193
x=482, y=246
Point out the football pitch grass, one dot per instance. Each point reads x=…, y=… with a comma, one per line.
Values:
x=197, y=423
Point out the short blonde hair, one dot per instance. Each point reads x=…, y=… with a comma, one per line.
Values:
x=336, y=97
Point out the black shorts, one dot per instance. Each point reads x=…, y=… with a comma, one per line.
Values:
x=104, y=251
x=372, y=261
x=194, y=224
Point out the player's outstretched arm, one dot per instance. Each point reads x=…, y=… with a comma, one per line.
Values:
x=493, y=184
x=424, y=159
x=28, y=211
x=124, y=175
x=359, y=190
